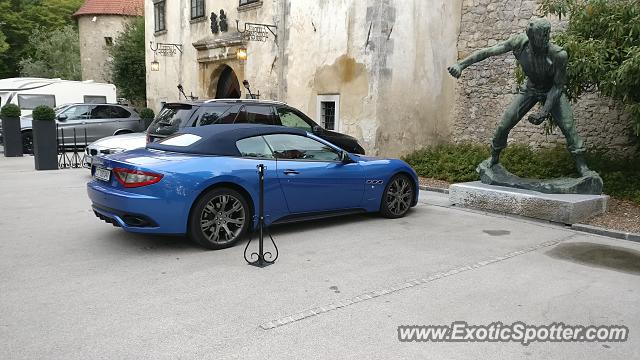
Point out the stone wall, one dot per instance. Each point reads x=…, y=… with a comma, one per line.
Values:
x=485, y=89
x=94, y=56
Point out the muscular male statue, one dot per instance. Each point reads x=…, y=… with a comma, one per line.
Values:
x=545, y=66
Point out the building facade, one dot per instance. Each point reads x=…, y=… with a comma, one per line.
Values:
x=99, y=24
x=373, y=69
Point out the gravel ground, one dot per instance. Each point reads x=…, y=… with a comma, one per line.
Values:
x=622, y=215
x=434, y=183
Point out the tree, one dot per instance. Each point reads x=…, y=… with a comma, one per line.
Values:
x=128, y=64
x=56, y=54
x=19, y=18
x=3, y=43
x=603, y=43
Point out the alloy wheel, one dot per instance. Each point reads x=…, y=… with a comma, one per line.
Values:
x=222, y=219
x=399, y=196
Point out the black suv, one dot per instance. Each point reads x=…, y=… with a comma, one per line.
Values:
x=175, y=116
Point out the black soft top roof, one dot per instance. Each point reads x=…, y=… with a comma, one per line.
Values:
x=220, y=139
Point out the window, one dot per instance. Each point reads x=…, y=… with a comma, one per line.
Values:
x=257, y=114
x=119, y=113
x=108, y=40
x=95, y=99
x=295, y=147
x=101, y=112
x=159, y=13
x=80, y=112
x=247, y=2
x=197, y=8
x=290, y=119
x=255, y=147
x=31, y=101
x=329, y=111
x=181, y=140
x=214, y=115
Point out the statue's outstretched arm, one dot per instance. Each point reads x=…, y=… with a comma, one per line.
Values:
x=479, y=55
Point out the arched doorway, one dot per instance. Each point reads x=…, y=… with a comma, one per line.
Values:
x=228, y=86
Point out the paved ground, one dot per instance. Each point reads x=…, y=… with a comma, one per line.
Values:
x=73, y=287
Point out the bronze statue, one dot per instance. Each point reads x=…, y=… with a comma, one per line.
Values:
x=545, y=65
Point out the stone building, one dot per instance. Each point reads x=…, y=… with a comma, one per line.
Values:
x=378, y=65
x=374, y=69
x=99, y=24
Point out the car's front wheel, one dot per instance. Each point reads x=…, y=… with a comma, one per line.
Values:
x=398, y=197
x=219, y=219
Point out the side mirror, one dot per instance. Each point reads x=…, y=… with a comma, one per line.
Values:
x=317, y=129
x=62, y=117
x=345, y=158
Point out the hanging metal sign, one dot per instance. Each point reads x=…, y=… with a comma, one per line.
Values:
x=257, y=32
x=165, y=49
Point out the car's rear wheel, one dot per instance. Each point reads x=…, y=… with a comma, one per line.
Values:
x=398, y=197
x=27, y=142
x=219, y=219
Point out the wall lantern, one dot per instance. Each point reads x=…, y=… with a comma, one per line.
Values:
x=155, y=65
x=241, y=54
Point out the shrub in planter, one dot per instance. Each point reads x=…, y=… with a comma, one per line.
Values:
x=45, y=139
x=10, y=111
x=147, y=115
x=11, y=135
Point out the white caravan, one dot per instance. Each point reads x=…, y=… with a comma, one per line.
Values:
x=28, y=93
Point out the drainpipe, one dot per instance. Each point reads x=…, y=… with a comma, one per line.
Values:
x=282, y=15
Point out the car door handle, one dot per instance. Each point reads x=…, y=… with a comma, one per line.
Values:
x=291, y=172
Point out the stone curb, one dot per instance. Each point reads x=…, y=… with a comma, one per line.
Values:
x=438, y=190
x=606, y=232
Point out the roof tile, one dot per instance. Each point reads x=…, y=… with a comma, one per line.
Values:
x=112, y=7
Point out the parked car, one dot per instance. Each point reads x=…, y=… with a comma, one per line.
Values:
x=113, y=145
x=203, y=182
x=176, y=116
x=94, y=120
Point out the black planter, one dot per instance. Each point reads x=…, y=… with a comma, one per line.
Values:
x=45, y=145
x=11, y=136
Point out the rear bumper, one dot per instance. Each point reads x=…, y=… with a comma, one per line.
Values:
x=134, y=212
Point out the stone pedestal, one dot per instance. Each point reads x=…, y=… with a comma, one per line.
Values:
x=561, y=208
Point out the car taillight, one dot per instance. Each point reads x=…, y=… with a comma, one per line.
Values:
x=135, y=178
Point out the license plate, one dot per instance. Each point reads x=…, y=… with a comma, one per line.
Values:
x=102, y=174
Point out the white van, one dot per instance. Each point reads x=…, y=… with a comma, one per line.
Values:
x=28, y=93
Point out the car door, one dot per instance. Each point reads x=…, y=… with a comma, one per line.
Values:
x=312, y=176
x=74, y=117
x=255, y=151
x=122, y=119
x=98, y=124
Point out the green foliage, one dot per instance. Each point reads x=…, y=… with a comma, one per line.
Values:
x=19, y=19
x=43, y=113
x=147, y=113
x=3, y=43
x=457, y=163
x=128, y=67
x=603, y=43
x=10, y=111
x=56, y=54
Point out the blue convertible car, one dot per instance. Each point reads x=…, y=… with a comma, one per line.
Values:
x=203, y=182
